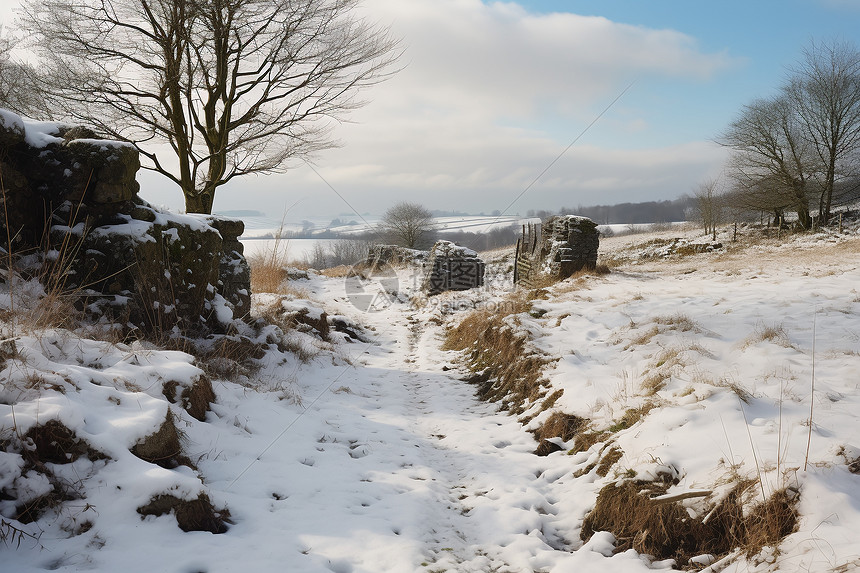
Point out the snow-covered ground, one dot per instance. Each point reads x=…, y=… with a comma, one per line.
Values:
x=263, y=227
x=376, y=457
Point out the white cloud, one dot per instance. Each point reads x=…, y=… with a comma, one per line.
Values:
x=498, y=60
x=491, y=94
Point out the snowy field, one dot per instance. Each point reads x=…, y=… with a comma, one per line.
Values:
x=297, y=250
x=264, y=227
x=374, y=456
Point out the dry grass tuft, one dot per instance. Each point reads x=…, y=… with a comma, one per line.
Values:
x=679, y=322
x=774, y=333
x=654, y=382
x=162, y=447
x=55, y=443
x=585, y=440
x=644, y=337
x=265, y=276
x=558, y=425
x=770, y=521
x=608, y=460
x=269, y=271
x=665, y=530
x=631, y=416
x=745, y=395
x=340, y=271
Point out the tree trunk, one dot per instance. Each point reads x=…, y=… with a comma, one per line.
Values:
x=803, y=217
x=199, y=203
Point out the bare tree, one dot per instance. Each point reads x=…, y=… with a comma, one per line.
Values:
x=19, y=92
x=772, y=167
x=802, y=145
x=826, y=92
x=709, y=206
x=409, y=225
x=234, y=87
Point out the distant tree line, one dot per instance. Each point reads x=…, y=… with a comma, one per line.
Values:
x=629, y=213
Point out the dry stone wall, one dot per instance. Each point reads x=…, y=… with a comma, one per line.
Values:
x=72, y=200
x=557, y=248
x=451, y=267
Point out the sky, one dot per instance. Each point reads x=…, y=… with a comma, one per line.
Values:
x=511, y=106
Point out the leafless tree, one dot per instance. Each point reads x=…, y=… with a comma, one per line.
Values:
x=826, y=90
x=773, y=165
x=709, y=206
x=409, y=225
x=18, y=90
x=234, y=87
x=803, y=145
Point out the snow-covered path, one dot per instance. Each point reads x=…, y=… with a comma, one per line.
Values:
x=441, y=481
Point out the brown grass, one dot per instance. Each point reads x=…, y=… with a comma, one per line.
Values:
x=678, y=322
x=631, y=416
x=558, y=425
x=338, y=272
x=162, y=447
x=608, y=460
x=654, y=382
x=55, y=443
x=269, y=271
x=584, y=440
x=504, y=367
x=774, y=333
x=745, y=395
x=644, y=337
x=191, y=515
x=667, y=531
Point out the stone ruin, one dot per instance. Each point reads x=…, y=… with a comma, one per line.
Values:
x=557, y=248
x=378, y=255
x=451, y=267
x=71, y=199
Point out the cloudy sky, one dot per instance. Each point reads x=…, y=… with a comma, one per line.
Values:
x=492, y=92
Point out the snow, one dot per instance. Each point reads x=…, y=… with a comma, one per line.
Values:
x=39, y=134
x=103, y=144
x=376, y=457
x=11, y=120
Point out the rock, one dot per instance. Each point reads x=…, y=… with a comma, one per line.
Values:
x=451, y=267
x=557, y=248
x=234, y=273
x=304, y=317
x=102, y=171
x=145, y=268
x=393, y=255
